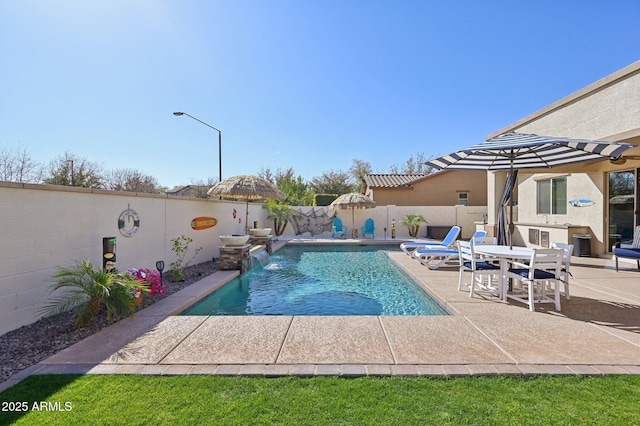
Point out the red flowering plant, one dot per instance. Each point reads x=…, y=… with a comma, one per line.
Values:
x=150, y=278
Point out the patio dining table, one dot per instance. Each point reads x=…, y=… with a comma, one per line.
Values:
x=503, y=254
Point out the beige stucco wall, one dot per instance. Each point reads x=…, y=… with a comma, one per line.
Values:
x=45, y=226
x=440, y=190
x=608, y=107
x=589, y=186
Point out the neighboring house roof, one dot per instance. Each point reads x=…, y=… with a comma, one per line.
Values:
x=187, y=191
x=397, y=180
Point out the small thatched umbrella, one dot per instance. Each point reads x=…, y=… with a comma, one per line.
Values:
x=246, y=187
x=352, y=201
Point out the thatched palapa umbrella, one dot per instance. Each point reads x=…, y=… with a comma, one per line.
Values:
x=351, y=202
x=246, y=187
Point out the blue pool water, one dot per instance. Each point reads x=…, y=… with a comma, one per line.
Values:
x=322, y=280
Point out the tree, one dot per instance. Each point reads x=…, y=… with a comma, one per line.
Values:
x=297, y=191
x=71, y=170
x=131, y=180
x=278, y=176
x=281, y=214
x=18, y=166
x=621, y=183
x=332, y=182
x=359, y=169
x=412, y=166
x=267, y=173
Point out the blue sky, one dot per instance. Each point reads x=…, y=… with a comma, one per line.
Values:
x=305, y=84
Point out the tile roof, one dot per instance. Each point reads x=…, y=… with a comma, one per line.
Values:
x=395, y=180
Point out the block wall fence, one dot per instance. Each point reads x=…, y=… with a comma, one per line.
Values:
x=46, y=226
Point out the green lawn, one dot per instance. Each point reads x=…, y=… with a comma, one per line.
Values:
x=141, y=400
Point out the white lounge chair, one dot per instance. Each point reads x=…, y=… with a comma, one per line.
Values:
x=427, y=248
x=448, y=242
x=434, y=256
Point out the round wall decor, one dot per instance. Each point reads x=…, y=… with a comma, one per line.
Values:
x=128, y=222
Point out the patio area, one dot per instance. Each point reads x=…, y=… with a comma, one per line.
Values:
x=597, y=332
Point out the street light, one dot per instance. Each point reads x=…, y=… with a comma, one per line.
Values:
x=179, y=114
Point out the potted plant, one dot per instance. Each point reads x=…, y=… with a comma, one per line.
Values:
x=281, y=214
x=413, y=221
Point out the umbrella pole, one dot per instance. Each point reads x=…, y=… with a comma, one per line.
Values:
x=353, y=223
x=511, y=225
x=246, y=220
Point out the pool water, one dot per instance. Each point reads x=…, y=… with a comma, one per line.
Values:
x=322, y=280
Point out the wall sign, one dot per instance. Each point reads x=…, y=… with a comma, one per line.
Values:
x=581, y=202
x=203, y=222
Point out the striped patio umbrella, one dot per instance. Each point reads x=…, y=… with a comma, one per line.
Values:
x=516, y=151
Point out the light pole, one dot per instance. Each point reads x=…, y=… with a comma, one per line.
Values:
x=71, y=162
x=178, y=114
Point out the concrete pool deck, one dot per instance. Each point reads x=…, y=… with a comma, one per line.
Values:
x=597, y=332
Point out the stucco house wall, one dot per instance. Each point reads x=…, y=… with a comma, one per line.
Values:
x=609, y=110
x=437, y=189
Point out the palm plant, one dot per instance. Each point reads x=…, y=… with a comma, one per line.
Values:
x=88, y=289
x=413, y=221
x=281, y=214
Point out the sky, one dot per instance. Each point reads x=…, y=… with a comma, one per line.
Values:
x=303, y=84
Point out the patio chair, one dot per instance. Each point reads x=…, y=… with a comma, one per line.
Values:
x=339, y=231
x=368, y=228
x=629, y=253
x=478, y=267
x=566, y=263
x=448, y=243
x=542, y=272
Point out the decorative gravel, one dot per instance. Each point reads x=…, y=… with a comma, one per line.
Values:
x=30, y=344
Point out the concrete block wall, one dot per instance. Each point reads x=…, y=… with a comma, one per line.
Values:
x=46, y=226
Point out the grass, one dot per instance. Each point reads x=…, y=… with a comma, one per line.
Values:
x=176, y=400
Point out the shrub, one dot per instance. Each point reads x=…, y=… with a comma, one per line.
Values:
x=413, y=221
x=180, y=248
x=88, y=290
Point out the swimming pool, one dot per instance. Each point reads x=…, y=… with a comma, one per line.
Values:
x=322, y=280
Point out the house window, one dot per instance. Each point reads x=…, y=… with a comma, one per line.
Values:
x=552, y=196
x=463, y=198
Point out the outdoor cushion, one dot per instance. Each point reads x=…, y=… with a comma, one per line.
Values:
x=481, y=265
x=632, y=253
x=539, y=274
x=628, y=253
